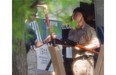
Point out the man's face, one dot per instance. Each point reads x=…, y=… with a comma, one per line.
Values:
x=78, y=17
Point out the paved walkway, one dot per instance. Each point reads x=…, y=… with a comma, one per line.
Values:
x=32, y=62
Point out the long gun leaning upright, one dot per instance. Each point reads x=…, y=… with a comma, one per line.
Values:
x=47, y=21
x=71, y=43
x=56, y=57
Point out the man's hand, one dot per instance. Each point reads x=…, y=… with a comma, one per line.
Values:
x=38, y=44
x=77, y=48
x=48, y=38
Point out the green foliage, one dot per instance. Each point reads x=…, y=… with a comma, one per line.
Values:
x=60, y=8
x=73, y=24
x=87, y=1
x=20, y=11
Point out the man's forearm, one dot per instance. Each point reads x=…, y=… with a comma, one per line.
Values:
x=39, y=44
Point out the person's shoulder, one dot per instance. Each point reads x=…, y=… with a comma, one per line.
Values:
x=72, y=30
x=89, y=27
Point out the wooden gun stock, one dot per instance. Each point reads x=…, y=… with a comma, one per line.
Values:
x=86, y=49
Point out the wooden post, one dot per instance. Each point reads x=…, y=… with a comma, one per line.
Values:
x=57, y=60
x=99, y=68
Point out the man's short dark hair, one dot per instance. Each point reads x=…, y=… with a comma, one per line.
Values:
x=81, y=10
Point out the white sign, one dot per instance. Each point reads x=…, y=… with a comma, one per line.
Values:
x=43, y=57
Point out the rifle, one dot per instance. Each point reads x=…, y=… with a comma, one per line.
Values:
x=70, y=43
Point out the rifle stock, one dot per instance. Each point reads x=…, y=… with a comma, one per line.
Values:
x=86, y=49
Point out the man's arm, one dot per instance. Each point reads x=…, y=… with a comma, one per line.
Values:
x=46, y=40
x=41, y=43
x=94, y=43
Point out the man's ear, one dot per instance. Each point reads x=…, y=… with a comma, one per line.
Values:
x=72, y=18
x=82, y=18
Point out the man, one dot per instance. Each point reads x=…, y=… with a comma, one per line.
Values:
x=31, y=36
x=83, y=63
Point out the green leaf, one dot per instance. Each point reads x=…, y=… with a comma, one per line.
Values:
x=73, y=24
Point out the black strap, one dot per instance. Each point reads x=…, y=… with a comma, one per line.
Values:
x=48, y=66
x=82, y=57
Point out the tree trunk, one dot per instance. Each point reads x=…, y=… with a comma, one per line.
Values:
x=19, y=62
x=19, y=56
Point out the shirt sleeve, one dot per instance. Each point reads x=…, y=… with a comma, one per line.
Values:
x=94, y=43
